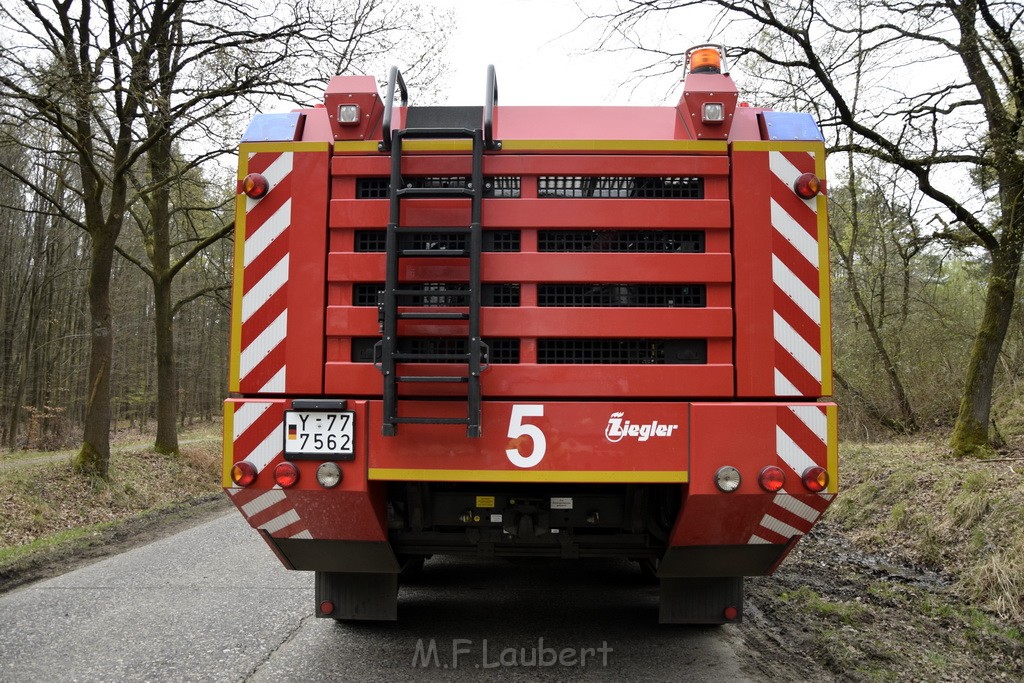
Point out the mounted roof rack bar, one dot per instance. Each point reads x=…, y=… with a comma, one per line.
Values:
x=394, y=76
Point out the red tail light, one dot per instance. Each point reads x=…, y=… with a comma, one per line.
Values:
x=815, y=478
x=771, y=478
x=243, y=473
x=286, y=474
x=255, y=185
x=807, y=186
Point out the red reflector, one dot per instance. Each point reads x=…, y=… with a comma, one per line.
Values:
x=286, y=474
x=243, y=473
x=326, y=607
x=255, y=185
x=771, y=478
x=730, y=613
x=807, y=186
x=815, y=478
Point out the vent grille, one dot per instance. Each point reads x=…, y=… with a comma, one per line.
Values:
x=500, y=187
x=622, y=241
x=622, y=351
x=627, y=296
x=502, y=350
x=493, y=240
x=620, y=187
x=497, y=294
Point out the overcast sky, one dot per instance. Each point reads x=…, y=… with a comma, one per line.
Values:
x=542, y=55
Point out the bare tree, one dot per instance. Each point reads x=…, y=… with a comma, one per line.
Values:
x=121, y=83
x=942, y=97
x=188, y=88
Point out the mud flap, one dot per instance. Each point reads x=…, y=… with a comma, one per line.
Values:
x=357, y=595
x=716, y=600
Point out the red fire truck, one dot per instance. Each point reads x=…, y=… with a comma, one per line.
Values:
x=566, y=332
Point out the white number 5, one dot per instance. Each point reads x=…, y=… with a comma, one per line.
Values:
x=517, y=428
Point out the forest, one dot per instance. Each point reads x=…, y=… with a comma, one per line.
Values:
x=120, y=119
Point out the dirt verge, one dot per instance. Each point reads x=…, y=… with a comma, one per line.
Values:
x=111, y=539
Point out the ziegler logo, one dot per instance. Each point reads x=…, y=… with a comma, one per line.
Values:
x=618, y=429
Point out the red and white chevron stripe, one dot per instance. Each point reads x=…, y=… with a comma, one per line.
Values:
x=796, y=277
x=801, y=440
x=264, y=314
x=258, y=427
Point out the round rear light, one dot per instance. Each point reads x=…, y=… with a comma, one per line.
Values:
x=326, y=607
x=286, y=474
x=807, y=186
x=255, y=185
x=815, y=478
x=727, y=479
x=243, y=473
x=329, y=475
x=771, y=478
x=730, y=613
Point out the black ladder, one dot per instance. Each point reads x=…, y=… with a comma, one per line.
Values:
x=462, y=242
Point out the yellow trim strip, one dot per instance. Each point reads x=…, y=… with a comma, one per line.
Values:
x=652, y=477
x=238, y=270
x=247, y=148
x=810, y=146
x=719, y=146
x=355, y=146
x=824, y=280
x=228, y=444
x=832, y=415
x=617, y=145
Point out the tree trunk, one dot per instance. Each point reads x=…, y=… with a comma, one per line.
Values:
x=94, y=458
x=970, y=433
x=166, y=376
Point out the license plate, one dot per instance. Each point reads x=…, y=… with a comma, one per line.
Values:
x=319, y=434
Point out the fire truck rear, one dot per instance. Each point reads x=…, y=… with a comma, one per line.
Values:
x=565, y=332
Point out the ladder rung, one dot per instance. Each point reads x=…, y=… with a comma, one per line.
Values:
x=446, y=379
x=405, y=230
x=434, y=253
x=435, y=192
x=430, y=420
x=438, y=133
x=432, y=292
x=422, y=357
x=428, y=315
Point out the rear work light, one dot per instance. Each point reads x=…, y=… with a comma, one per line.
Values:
x=807, y=186
x=771, y=478
x=328, y=475
x=286, y=475
x=713, y=112
x=815, y=478
x=348, y=114
x=727, y=479
x=243, y=473
x=255, y=185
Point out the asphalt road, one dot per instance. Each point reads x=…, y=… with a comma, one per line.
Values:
x=213, y=604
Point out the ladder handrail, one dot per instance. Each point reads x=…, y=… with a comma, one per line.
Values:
x=491, y=101
x=394, y=76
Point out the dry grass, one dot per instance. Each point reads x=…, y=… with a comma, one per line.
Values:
x=46, y=500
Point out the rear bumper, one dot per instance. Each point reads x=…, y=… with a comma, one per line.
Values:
x=546, y=445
